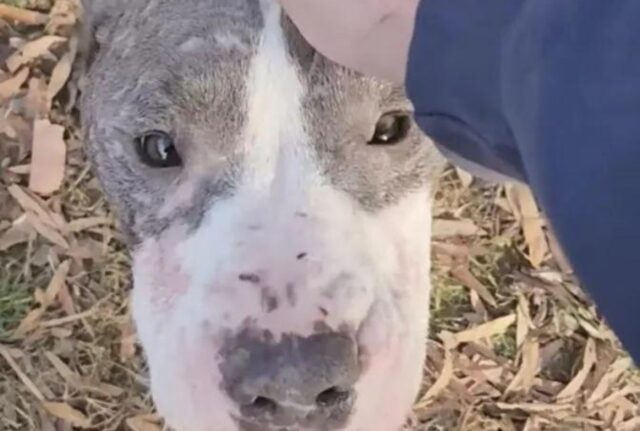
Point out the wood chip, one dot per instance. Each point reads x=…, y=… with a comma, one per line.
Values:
x=48, y=157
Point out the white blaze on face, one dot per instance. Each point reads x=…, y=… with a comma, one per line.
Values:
x=361, y=270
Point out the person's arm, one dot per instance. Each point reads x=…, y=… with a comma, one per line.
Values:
x=547, y=91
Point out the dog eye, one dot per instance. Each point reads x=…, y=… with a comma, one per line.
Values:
x=157, y=150
x=391, y=129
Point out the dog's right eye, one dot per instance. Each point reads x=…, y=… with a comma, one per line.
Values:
x=157, y=150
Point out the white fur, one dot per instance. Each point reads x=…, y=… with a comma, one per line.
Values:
x=369, y=271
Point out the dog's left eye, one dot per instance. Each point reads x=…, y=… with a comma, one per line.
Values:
x=392, y=128
x=157, y=150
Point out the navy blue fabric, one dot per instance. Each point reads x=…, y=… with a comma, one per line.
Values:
x=547, y=91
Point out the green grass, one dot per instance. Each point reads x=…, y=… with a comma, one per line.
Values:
x=15, y=301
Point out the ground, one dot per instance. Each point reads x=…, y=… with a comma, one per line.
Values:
x=515, y=343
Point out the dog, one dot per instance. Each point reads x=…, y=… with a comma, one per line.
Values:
x=278, y=212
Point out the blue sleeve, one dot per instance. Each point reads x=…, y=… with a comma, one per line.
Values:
x=547, y=91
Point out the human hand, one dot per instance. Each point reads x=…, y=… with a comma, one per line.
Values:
x=370, y=36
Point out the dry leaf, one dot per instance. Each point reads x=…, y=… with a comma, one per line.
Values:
x=18, y=233
x=47, y=232
x=56, y=284
x=465, y=177
x=48, y=157
x=24, y=16
x=81, y=224
x=10, y=87
x=524, y=320
x=605, y=384
x=526, y=211
x=127, y=341
x=35, y=205
x=523, y=380
x=65, y=372
x=444, y=377
x=36, y=99
x=144, y=423
x=4, y=352
x=447, y=228
x=33, y=50
x=588, y=360
x=28, y=323
x=67, y=413
x=486, y=330
x=61, y=72
x=463, y=275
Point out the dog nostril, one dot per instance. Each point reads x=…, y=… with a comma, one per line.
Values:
x=332, y=397
x=262, y=406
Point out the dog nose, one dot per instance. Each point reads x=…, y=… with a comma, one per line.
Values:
x=301, y=382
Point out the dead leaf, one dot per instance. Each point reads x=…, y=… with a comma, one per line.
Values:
x=56, y=284
x=24, y=16
x=48, y=157
x=11, y=87
x=127, y=341
x=144, y=423
x=444, y=377
x=465, y=177
x=81, y=224
x=463, y=275
x=28, y=323
x=523, y=380
x=524, y=320
x=447, y=228
x=46, y=231
x=486, y=330
x=526, y=211
x=605, y=384
x=36, y=99
x=4, y=352
x=588, y=360
x=67, y=413
x=18, y=233
x=61, y=72
x=32, y=50
x=30, y=203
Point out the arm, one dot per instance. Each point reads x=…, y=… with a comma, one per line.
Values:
x=547, y=91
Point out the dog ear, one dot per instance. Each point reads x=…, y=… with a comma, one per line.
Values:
x=98, y=21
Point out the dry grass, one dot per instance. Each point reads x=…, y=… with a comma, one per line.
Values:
x=515, y=343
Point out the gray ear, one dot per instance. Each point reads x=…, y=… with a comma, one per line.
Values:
x=99, y=18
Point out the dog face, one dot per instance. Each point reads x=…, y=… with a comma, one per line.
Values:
x=278, y=208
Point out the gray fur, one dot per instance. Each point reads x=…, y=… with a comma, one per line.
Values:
x=139, y=79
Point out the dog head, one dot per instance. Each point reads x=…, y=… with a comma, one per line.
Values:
x=278, y=208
